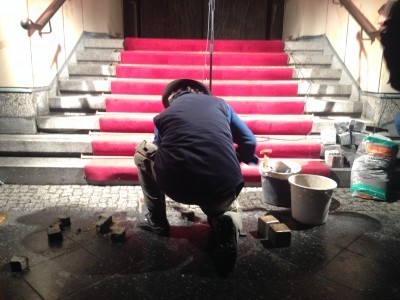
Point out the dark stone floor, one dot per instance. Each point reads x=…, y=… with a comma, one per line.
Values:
x=355, y=255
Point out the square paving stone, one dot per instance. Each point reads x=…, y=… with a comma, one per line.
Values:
x=66, y=274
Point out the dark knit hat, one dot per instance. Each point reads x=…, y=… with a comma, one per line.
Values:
x=183, y=84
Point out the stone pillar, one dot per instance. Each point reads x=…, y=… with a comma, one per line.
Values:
x=382, y=109
x=18, y=111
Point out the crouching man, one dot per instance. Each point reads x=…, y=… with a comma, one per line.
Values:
x=193, y=160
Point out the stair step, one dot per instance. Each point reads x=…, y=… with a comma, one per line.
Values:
x=42, y=170
x=148, y=44
x=152, y=103
x=221, y=88
x=333, y=106
x=241, y=105
x=50, y=170
x=120, y=122
x=45, y=144
x=105, y=171
x=68, y=123
x=310, y=60
x=198, y=58
x=77, y=103
x=198, y=71
x=317, y=74
x=124, y=144
x=305, y=45
x=258, y=124
x=103, y=43
x=143, y=123
x=281, y=146
x=92, y=69
x=323, y=89
x=99, y=55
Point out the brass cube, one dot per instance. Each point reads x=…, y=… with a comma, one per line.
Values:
x=263, y=224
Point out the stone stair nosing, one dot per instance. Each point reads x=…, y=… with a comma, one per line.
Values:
x=92, y=103
x=73, y=145
x=50, y=170
x=87, y=123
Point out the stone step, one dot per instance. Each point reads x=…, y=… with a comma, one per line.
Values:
x=89, y=103
x=304, y=44
x=50, y=170
x=87, y=84
x=76, y=145
x=98, y=55
x=86, y=123
x=303, y=59
x=92, y=69
x=109, y=70
x=114, y=56
x=59, y=145
x=103, y=43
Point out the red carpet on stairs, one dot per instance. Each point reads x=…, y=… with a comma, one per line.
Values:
x=253, y=76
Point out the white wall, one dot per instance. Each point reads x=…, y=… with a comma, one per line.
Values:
x=103, y=16
x=33, y=62
x=15, y=56
x=363, y=58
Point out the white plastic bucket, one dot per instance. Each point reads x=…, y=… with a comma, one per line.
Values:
x=310, y=198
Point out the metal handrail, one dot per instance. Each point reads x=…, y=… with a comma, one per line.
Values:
x=365, y=24
x=44, y=18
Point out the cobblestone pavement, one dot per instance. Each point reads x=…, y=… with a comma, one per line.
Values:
x=35, y=197
x=353, y=256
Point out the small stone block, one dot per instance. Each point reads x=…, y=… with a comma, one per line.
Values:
x=342, y=127
x=19, y=263
x=279, y=235
x=104, y=223
x=118, y=234
x=54, y=233
x=188, y=214
x=357, y=138
x=344, y=138
x=263, y=224
x=328, y=136
x=65, y=220
x=356, y=126
x=330, y=152
x=335, y=161
x=349, y=153
x=58, y=224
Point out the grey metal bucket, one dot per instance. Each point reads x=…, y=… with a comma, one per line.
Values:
x=275, y=185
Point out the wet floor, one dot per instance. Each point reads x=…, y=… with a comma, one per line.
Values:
x=353, y=256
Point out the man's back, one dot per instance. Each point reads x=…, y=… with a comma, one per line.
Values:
x=196, y=160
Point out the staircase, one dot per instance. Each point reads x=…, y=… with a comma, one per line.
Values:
x=286, y=92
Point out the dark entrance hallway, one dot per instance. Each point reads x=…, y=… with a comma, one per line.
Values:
x=234, y=19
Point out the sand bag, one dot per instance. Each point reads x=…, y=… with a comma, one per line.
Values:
x=372, y=168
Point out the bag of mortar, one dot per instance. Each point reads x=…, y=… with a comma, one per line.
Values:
x=372, y=168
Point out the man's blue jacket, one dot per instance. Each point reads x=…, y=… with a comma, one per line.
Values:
x=196, y=161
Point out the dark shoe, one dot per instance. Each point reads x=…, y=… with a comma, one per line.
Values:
x=226, y=248
x=159, y=228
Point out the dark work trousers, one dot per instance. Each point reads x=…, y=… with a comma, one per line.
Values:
x=154, y=197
